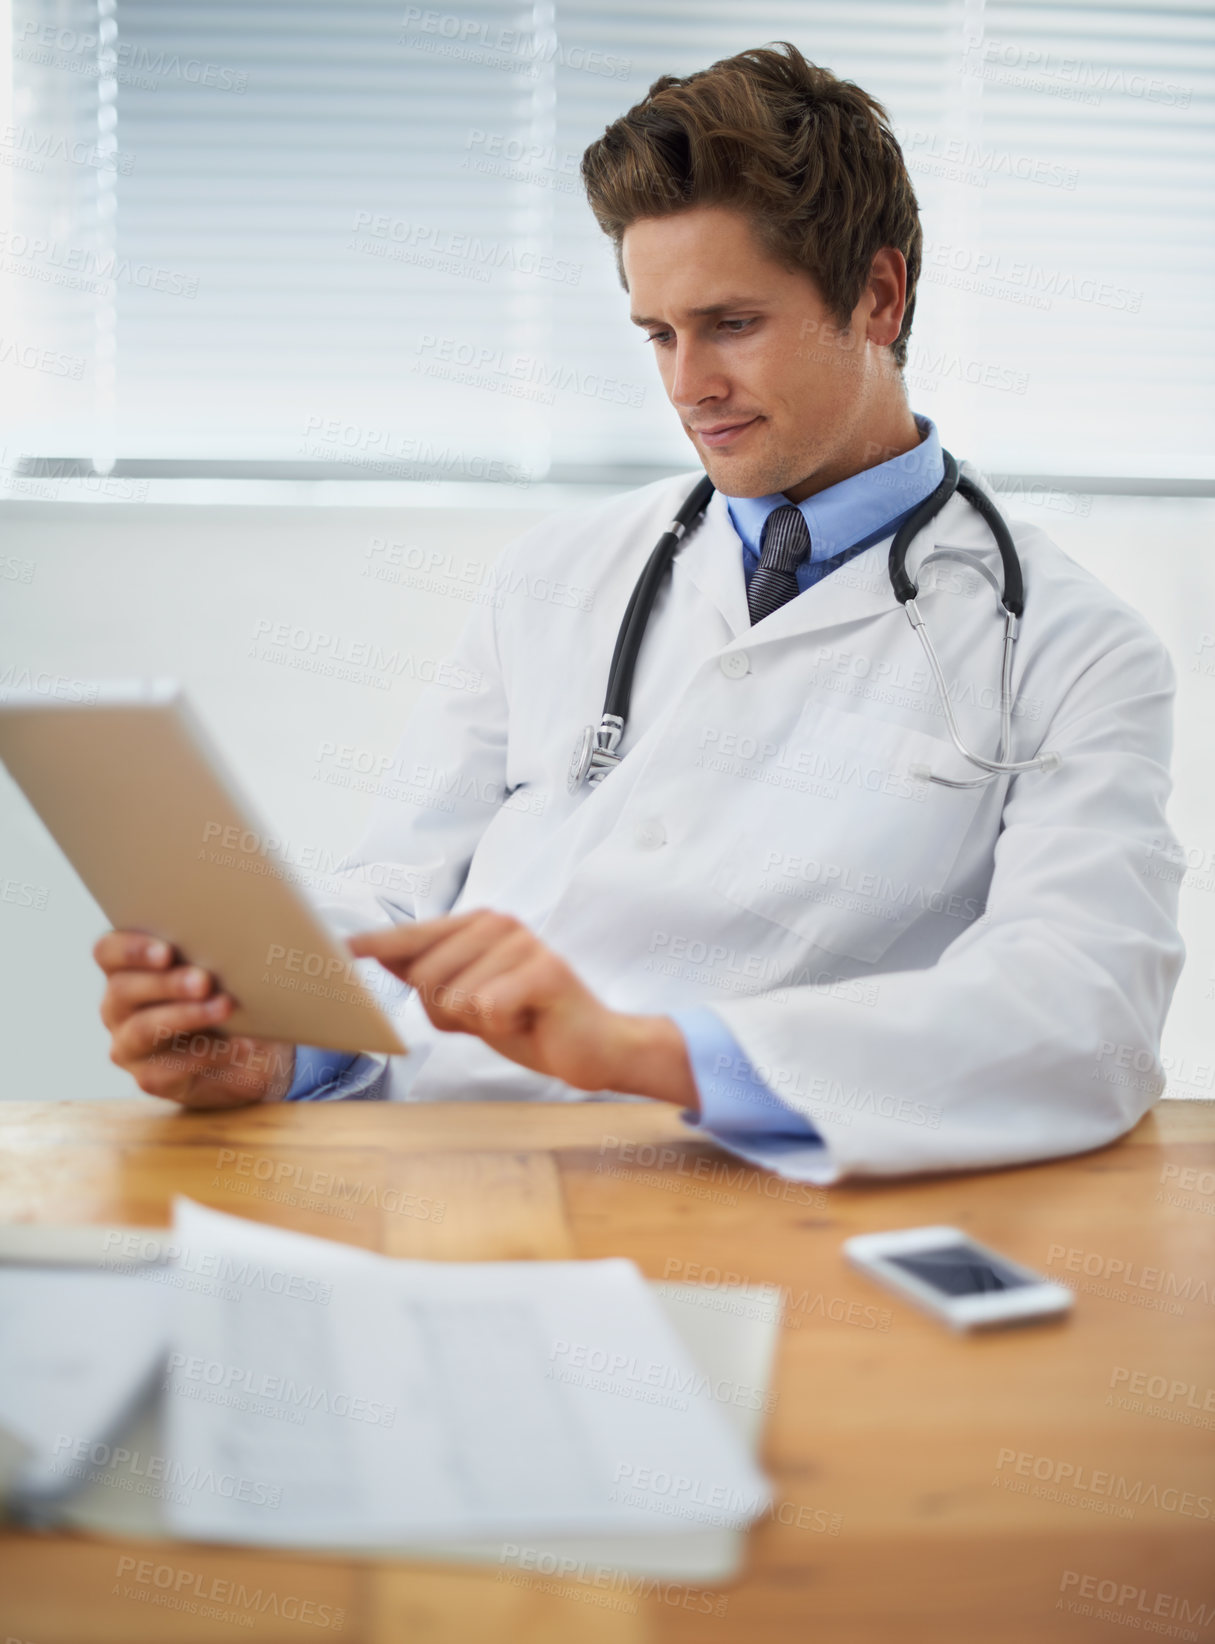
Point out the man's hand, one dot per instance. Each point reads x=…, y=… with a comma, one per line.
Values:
x=163, y=1017
x=484, y=973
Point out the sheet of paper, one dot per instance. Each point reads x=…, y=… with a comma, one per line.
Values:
x=732, y=1338
x=324, y=1396
x=77, y=1349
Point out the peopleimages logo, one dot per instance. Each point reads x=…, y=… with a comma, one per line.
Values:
x=241, y=1274
x=155, y=1475
x=1136, y=1601
x=1070, y=1478
x=175, y=1588
x=405, y=241
x=476, y=40
x=298, y=1399
x=1128, y=1275
x=92, y=265
x=603, y=1585
x=649, y=1381
x=525, y=375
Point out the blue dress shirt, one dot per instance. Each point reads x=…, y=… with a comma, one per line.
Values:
x=327, y=1075
x=736, y=1107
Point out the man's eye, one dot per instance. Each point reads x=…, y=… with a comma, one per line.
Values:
x=736, y=325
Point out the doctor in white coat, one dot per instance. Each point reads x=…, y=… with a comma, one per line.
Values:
x=765, y=913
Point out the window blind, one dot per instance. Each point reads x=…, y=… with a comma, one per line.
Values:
x=298, y=231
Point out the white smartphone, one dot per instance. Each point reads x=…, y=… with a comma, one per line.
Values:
x=951, y=1276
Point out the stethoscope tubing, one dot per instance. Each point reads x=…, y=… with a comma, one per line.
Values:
x=641, y=601
x=595, y=754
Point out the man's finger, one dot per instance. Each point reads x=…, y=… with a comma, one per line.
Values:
x=204, y=1087
x=448, y=962
x=131, y=990
x=401, y=944
x=147, y=1031
x=196, y=1064
x=510, y=999
x=462, y=992
x=181, y=1063
x=174, y=1070
x=156, y=1078
x=131, y=950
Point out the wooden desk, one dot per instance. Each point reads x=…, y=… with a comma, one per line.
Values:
x=903, y=1459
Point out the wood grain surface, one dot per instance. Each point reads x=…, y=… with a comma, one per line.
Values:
x=1053, y=1483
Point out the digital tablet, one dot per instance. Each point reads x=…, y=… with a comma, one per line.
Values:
x=141, y=803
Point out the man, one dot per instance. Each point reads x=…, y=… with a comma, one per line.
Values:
x=767, y=914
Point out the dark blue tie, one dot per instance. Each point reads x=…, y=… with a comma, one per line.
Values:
x=785, y=543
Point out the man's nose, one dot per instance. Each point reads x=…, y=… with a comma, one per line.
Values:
x=696, y=377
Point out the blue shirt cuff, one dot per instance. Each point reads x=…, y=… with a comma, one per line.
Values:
x=318, y=1073
x=733, y=1097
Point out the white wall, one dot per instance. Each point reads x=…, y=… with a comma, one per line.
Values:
x=96, y=590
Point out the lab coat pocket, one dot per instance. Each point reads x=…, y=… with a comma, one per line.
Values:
x=837, y=840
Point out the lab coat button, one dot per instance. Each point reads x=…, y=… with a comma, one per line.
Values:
x=735, y=664
x=650, y=834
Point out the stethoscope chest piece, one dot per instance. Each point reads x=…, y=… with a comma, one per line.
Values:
x=595, y=753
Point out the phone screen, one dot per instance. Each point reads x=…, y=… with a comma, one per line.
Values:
x=960, y=1270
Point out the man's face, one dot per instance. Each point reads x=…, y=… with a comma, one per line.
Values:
x=771, y=392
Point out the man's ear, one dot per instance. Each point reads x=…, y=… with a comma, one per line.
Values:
x=887, y=293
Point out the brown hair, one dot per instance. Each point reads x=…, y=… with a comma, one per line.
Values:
x=810, y=158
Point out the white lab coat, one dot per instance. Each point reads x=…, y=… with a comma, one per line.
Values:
x=937, y=979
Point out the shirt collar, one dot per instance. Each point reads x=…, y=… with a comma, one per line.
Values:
x=858, y=506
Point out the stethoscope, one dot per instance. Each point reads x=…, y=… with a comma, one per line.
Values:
x=595, y=750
